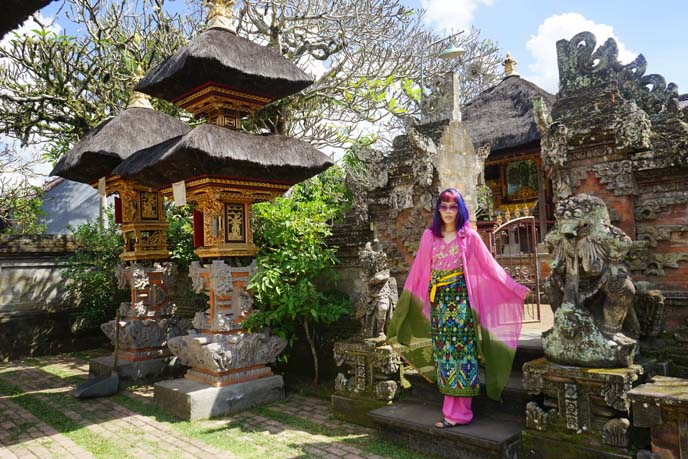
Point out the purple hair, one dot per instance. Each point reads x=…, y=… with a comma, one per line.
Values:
x=450, y=194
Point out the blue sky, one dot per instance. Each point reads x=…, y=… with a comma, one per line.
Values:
x=529, y=30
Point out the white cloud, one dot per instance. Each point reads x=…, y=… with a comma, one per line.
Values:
x=451, y=15
x=544, y=72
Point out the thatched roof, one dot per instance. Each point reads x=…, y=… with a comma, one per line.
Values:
x=114, y=140
x=15, y=12
x=220, y=56
x=502, y=116
x=218, y=151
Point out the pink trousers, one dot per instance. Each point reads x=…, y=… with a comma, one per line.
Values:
x=457, y=410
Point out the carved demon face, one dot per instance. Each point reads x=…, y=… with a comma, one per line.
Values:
x=578, y=215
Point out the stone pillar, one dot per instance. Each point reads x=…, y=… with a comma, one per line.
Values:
x=218, y=350
x=146, y=325
x=229, y=369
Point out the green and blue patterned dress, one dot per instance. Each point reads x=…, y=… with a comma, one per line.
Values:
x=452, y=323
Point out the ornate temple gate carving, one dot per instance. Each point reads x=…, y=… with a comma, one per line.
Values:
x=514, y=246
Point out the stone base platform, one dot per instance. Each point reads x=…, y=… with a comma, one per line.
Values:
x=492, y=434
x=193, y=400
x=142, y=371
x=541, y=445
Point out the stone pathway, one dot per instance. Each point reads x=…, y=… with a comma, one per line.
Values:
x=39, y=418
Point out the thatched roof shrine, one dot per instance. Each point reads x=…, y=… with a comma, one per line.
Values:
x=502, y=116
x=219, y=57
x=211, y=150
x=114, y=140
x=15, y=12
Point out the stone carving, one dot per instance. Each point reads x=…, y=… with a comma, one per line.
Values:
x=222, y=353
x=632, y=129
x=443, y=101
x=649, y=308
x=371, y=363
x=589, y=287
x=142, y=334
x=424, y=164
x=220, y=276
x=553, y=149
x=651, y=209
x=571, y=406
x=618, y=176
x=340, y=383
x=532, y=380
x=195, y=273
x=656, y=233
x=616, y=432
x=536, y=417
x=614, y=394
x=386, y=390
x=379, y=293
x=364, y=174
x=581, y=66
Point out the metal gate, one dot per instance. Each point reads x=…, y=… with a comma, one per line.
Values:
x=514, y=246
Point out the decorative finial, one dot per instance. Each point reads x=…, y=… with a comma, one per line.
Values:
x=509, y=64
x=139, y=99
x=220, y=14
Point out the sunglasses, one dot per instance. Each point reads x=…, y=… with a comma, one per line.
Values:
x=449, y=207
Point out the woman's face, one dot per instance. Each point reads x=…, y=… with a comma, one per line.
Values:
x=448, y=212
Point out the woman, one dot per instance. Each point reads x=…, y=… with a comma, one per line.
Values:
x=458, y=307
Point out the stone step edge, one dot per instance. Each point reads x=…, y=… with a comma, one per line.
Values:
x=452, y=434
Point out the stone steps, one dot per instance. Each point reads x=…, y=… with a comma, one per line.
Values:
x=492, y=434
x=496, y=428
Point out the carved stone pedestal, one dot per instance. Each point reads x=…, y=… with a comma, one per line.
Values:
x=229, y=369
x=582, y=412
x=662, y=405
x=370, y=379
x=146, y=324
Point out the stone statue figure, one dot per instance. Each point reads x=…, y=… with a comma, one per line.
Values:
x=590, y=288
x=379, y=294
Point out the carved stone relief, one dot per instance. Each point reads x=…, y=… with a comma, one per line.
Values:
x=617, y=176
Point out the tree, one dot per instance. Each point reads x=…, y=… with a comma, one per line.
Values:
x=365, y=55
x=293, y=285
x=20, y=199
x=56, y=87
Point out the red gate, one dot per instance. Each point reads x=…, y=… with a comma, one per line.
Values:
x=514, y=246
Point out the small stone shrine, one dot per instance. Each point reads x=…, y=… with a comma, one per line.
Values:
x=147, y=320
x=371, y=368
x=222, y=78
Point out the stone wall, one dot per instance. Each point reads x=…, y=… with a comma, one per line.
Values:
x=34, y=316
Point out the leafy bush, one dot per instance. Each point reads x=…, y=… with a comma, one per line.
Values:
x=180, y=235
x=293, y=285
x=90, y=272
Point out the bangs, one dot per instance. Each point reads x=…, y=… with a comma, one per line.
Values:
x=449, y=195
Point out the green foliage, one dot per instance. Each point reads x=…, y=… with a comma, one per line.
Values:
x=293, y=286
x=90, y=272
x=21, y=212
x=180, y=235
